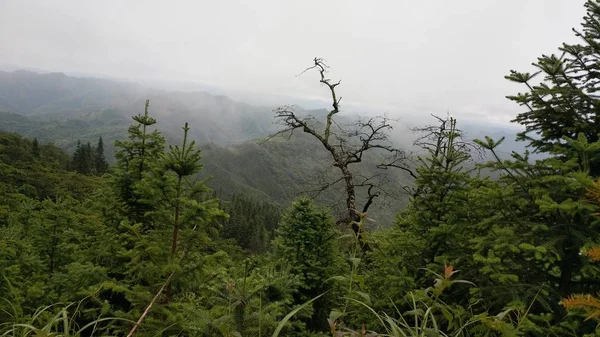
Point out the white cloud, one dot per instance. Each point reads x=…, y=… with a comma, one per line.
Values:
x=394, y=55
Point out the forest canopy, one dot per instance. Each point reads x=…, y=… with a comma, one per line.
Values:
x=143, y=247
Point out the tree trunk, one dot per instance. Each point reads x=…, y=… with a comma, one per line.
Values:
x=354, y=216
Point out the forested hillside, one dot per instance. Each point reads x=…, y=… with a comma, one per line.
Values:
x=143, y=247
x=62, y=109
x=280, y=170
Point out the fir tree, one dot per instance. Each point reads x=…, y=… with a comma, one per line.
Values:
x=442, y=179
x=251, y=223
x=564, y=103
x=35, y=150
x=133, y=157
x=82, y=158
x=100, y=163
x=434, y=229
x=163, y=233
x=180, y=201
x=306, y=240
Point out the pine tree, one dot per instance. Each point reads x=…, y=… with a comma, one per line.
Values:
x=588, y=303
x=89, y=159
x=252, y=224
x=35, y=148
x=133, y=158
x=139, y=243
x=100, y=163
x=434, y=229
x=76, y=161
x=535, y=221
x=180, y=200
x=543, y=210
x=564, y=103
x=82, y=158
x=306, y=240
x=164, y=231
x=442, y=179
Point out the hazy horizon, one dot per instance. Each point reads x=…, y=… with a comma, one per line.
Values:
x=393, y=57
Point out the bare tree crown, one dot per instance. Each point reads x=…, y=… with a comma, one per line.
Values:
x=346, y=144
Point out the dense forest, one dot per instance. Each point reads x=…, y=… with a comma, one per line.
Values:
x=142, y=247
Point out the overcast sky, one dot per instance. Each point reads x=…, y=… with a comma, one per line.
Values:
x=394, y=55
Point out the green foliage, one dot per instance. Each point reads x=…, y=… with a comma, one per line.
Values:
x=133, y=157
x=44, y=227
x=89, y=160
x=35, y=148
x=563, y=103
x=163, y=224
x=100, y=164
x=516, y=238
x=146, y=241
x=48, y=322
x=251, y=298
x=250, y=223
x=433, y=229
x=306, y=240
x=83, y=159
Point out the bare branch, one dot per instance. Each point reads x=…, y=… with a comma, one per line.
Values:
x=325, y=186
x=346, y=146
x=403, y=168
x=401, y=161
x=145, y=313
x=370, y=198
x=432, y=137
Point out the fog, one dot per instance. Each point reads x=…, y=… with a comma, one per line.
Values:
x=404, y=58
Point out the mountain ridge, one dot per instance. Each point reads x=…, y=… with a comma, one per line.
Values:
x=61, y=109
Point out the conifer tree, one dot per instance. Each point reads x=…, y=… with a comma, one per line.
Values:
x=307, y=241
x=434, y=229
x=82, y=158
x=100, y=163
x=133, y=158
x=179, y=200
x=441, y=181
x=518, y=238
x=252, y=224
x=542, y=205
x=89, y=159
x=76, y=161
x=164, y=231
x=138, y=242
x=543, y=213
x=564, y=103
x=35, y=148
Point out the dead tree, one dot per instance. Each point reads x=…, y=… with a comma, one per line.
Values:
x=434, y=137
x=347, y=146
x=433, y=140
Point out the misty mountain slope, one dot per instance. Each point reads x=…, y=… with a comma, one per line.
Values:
x=108, y=124
x=60, y=96
x=62, y=109
x=279, y=170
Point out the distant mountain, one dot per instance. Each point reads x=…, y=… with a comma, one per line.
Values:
x=496, y=132
x=62, y=109
x=280, y=169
